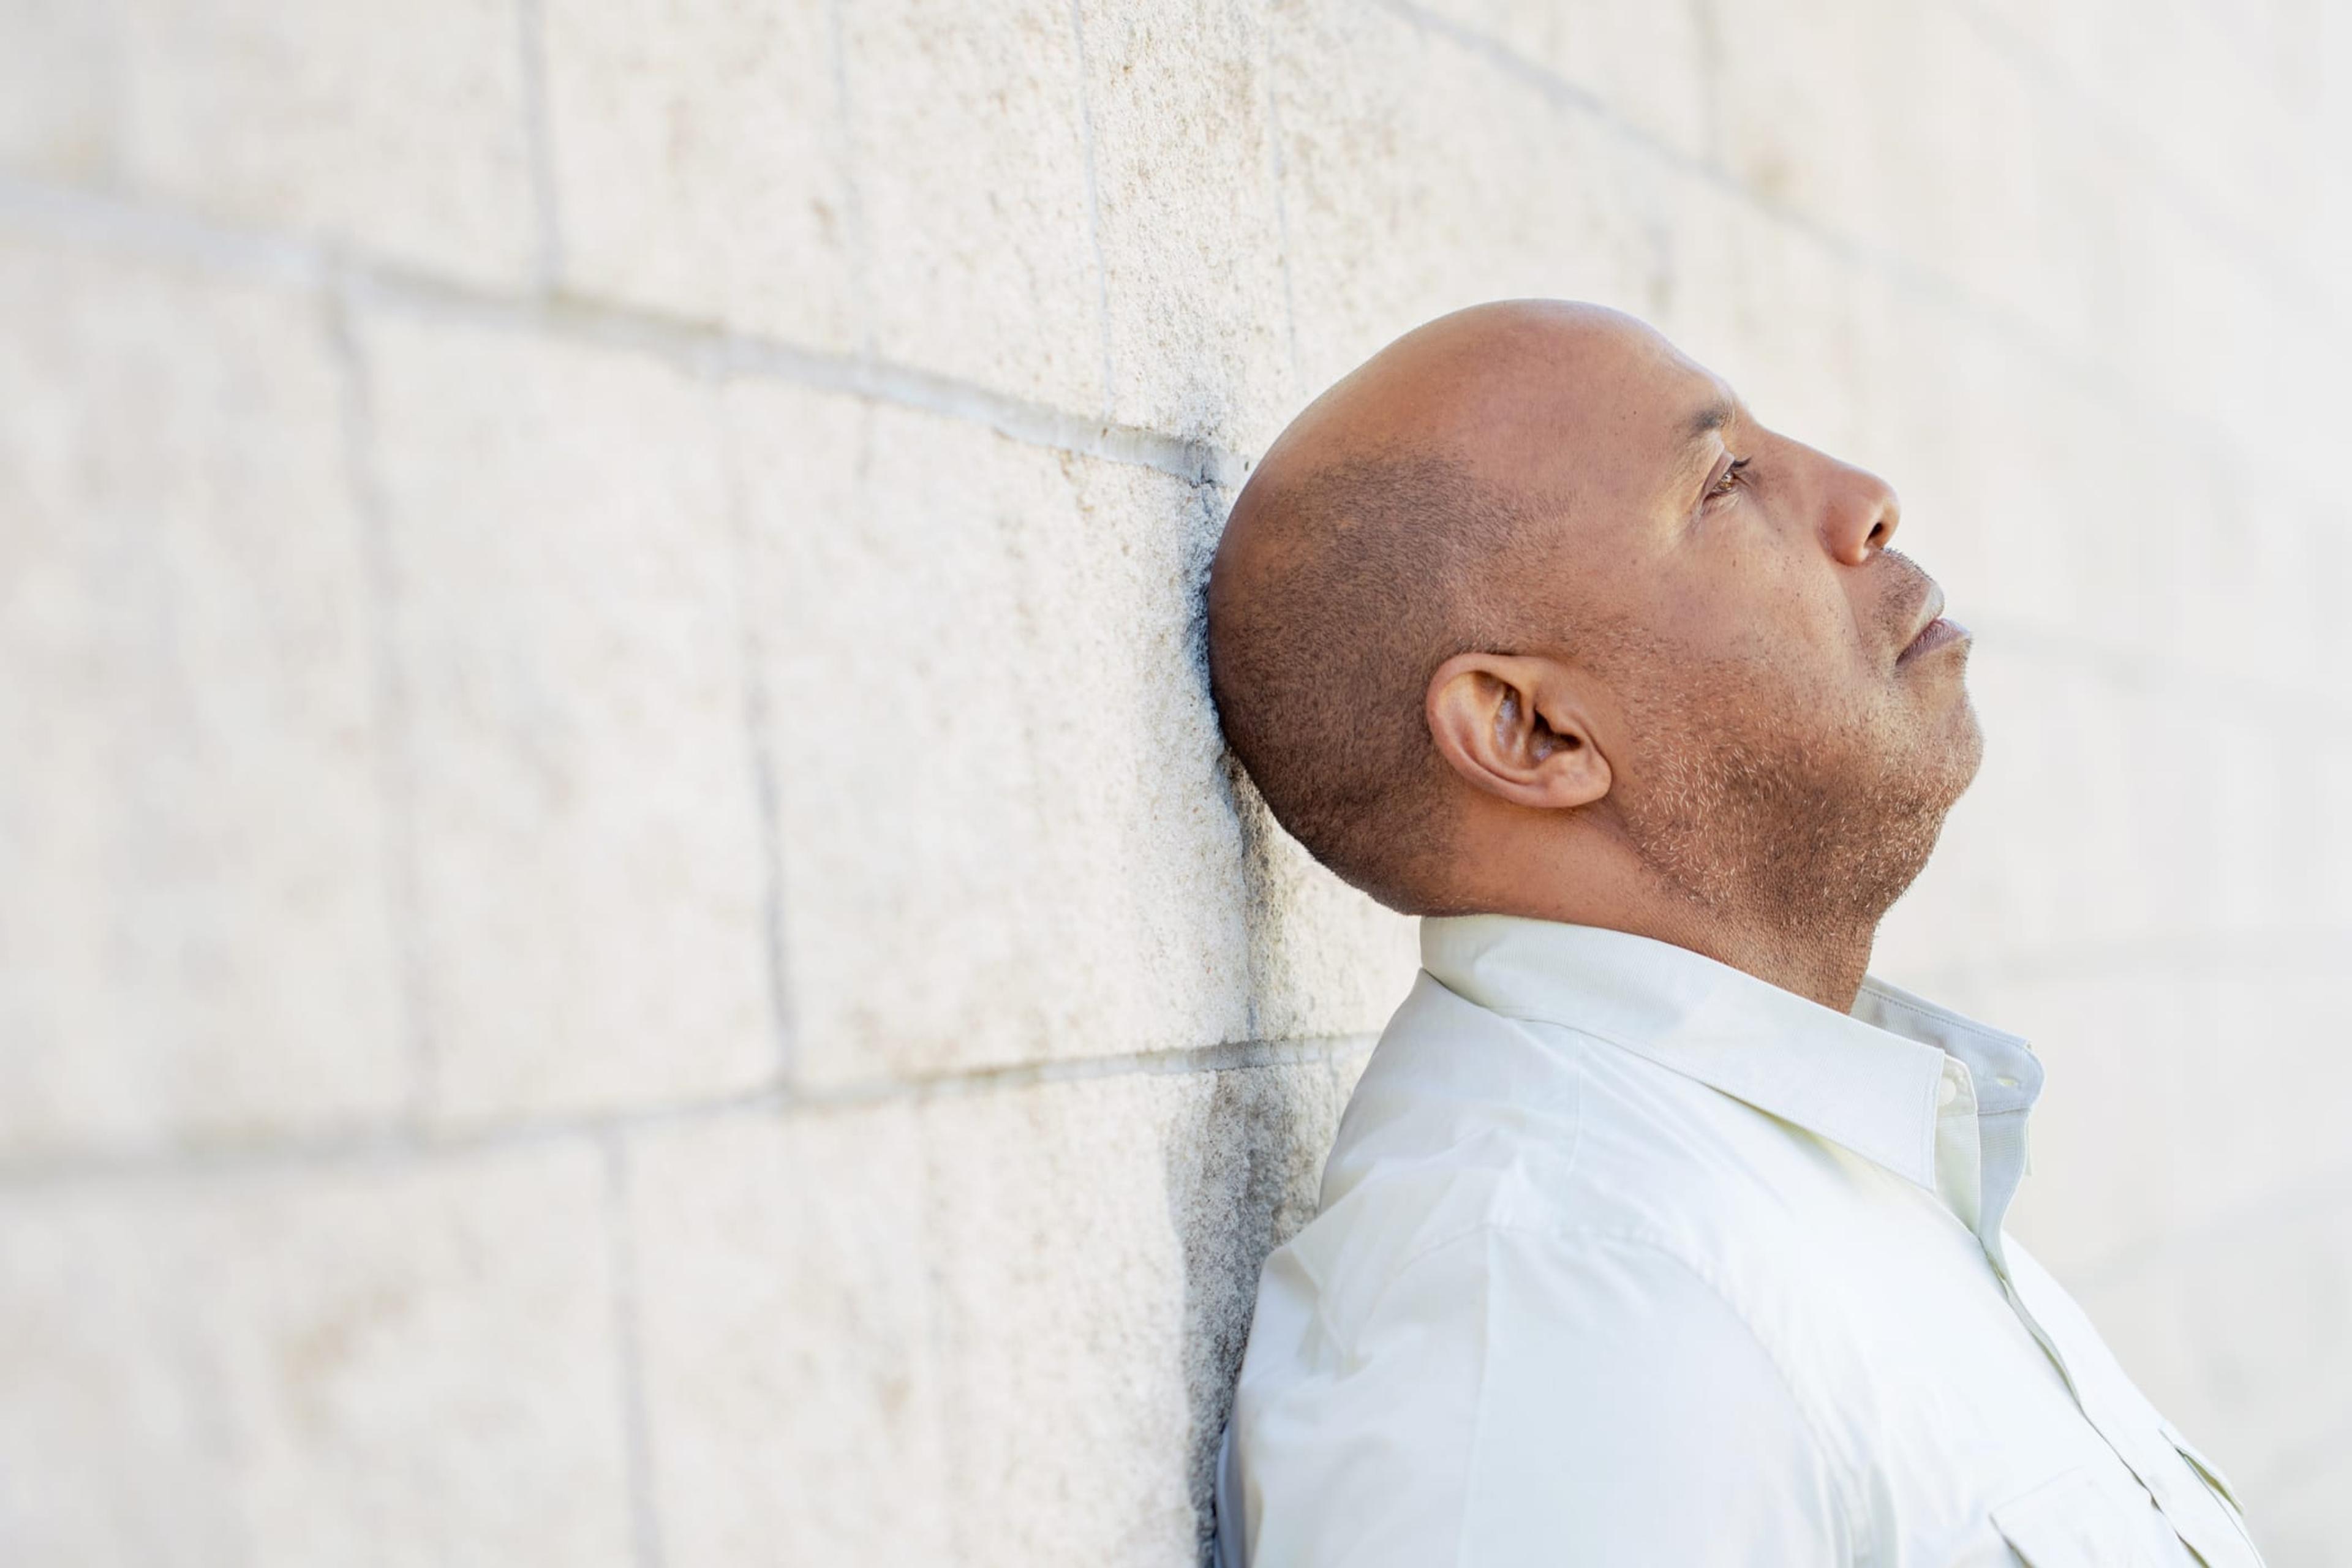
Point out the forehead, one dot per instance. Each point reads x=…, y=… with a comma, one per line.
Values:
x=1621, y=411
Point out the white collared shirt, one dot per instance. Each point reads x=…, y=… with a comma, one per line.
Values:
x=1627, y=1257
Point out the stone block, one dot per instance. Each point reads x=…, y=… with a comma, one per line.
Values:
x=698, y=148
x=1419, y=175
x=992, y=1327
x=1900, y=128
x=1644, y=64
x=193, y=893
x=398, y=128
x=783, y=1276
x=361, y=1363
x=1325, y=960
x=566, y=619
x=59, y=89
x=967, y=132
x=1189, y=224
x=1005, y=833
x=1091, y=1443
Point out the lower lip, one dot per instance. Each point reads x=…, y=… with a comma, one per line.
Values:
x=1942, y=632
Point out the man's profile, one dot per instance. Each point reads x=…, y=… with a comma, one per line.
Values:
x=1655, y=1232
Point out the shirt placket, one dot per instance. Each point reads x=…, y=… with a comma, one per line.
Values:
x=2194, y=1514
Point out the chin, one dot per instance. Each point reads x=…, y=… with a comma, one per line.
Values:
x=1959, y=750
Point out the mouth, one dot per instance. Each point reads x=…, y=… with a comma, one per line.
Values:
x=1935, y=631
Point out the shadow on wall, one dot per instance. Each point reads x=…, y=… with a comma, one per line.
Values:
x=1239, y=1186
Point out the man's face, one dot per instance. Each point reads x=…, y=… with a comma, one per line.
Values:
x=1790, y=715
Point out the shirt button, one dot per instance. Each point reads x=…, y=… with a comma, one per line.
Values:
x=1946, y=1091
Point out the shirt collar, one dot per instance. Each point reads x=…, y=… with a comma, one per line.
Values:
x=1868, y=1082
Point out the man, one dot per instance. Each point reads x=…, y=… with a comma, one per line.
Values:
x=1656, y=1234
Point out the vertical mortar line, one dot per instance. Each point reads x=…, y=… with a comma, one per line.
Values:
x=853, y=201
x=394, y=742
x=1094, y=208
x=760, y=737
x=637, y=1432
x=539, y=141
x=1282, y=207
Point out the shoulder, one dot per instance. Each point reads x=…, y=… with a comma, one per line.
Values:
x=1512, y=1388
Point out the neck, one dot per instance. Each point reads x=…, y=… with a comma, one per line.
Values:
x=1815, y=942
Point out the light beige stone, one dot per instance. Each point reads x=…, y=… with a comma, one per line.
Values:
x=699, y=162
x=782, y=1270
x=969, y=138
x=60, y=64
x=317, y=1365
x=1639, y=62
x=1004, y=830
x=566, y=619
x=1486, y=186
x=1088, y=1358
x=996, y=1327
x=194, y=894
x=396, y=128
x=1902, y=129
x=1191, y=232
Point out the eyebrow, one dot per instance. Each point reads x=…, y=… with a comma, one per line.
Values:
x=1708, y=420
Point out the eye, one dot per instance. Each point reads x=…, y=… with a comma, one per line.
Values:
x=1730, y=480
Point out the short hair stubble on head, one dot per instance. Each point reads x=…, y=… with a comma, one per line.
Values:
x=1366, y=573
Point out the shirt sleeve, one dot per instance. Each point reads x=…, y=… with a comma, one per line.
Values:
x=1516, y=1398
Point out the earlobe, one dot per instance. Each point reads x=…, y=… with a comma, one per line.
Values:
x=1510, y=726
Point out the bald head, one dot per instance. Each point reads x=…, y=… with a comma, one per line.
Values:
x=1417, y=509
x=1530, y=614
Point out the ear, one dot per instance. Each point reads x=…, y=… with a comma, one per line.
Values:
x=1511, y=726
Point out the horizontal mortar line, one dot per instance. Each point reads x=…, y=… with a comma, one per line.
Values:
x=396, y=1143
x=707, y=352
x=1285, y=1052
x=119, y=223
x=1998, y=319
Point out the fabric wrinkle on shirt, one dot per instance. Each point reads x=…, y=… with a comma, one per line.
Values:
x=1625, y=1256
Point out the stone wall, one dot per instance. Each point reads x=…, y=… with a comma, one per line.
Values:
x=624, y=936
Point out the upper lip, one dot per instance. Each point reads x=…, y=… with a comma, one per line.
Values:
x=1933, y=613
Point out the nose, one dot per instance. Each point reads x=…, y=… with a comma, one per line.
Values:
x=1862, y=514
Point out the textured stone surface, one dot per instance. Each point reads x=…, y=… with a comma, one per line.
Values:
x=700, y=162
x=568, y=632
x=1503, y=188
x=1008, y=1336
x=968, y=130
x=1179, y=101
x=59, y=75
x=397, y=126
x=314, y=1366
x=985, y=697
x=1648, y=64
x=783, y=1272
x=194, y=912
x=725, y=694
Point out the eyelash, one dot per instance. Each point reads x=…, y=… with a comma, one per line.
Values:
x=1729, y=483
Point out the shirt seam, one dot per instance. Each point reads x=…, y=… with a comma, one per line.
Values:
x=1651, y=1243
